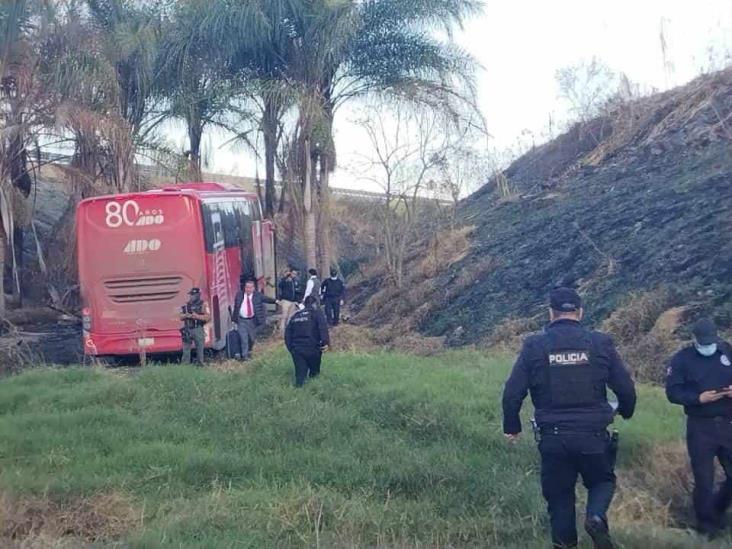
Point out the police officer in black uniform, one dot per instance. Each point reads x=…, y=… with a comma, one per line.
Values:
x=306, y=337
x=195, y=315
x=567, y=369
x=699, y=377
x=333, y=291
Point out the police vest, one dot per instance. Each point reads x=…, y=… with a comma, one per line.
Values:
x=575, y=378
x=196, y=309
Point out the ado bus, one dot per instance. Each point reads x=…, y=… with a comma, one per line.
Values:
x=139, y=254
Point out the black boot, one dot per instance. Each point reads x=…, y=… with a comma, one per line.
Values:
x=599, y=532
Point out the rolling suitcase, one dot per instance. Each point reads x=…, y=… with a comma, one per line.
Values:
x=233, y=344
x=233, y=341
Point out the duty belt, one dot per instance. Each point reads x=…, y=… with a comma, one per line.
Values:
x=717, y=419
x=548, y=430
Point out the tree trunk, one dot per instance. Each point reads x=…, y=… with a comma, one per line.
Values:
x=3, y=248
x=195, y=134
x=324, y=217
x=309, y=229
x=269, y=127
x=18, y=235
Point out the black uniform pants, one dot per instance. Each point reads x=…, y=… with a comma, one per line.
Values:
x=563, y=457
x=706, y=439
x=332, y=310
x=306, y=364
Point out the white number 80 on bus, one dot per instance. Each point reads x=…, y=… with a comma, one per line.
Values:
x=128, y=213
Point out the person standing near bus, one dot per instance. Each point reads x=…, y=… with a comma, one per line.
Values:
x=288, y=303
x=250, y=315
x=194, y=314
x=312, y=288
x=297, y=281
x=333, y=291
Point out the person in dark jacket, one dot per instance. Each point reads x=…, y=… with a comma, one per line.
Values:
x=333, y=291
x=250, y=315
x=306, y=337
x=699, y=377
x=195, y=314
x=567, y=370
x=287, y=296
x=299, y=287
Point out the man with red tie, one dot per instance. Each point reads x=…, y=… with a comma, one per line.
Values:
x=250, y=315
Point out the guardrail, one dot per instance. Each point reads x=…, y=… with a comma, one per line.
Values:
x=154, y=171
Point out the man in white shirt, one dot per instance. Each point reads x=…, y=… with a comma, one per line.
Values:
x=313, y=286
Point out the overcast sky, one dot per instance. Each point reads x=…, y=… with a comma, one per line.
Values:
x=521, y=44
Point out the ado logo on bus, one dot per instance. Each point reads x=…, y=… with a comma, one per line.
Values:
x=130, y=214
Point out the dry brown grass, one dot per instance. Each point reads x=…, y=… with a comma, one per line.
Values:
x=358, y=338
x=656, y=491
x=42, y=523
x=510, y=333
x=445, y=250
x=473, y=273
x=638, y=314
x=646, y=328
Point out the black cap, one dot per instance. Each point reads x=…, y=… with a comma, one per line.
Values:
x=333, y=272
x=565, y=300
x=705, y=332
x=194, y=291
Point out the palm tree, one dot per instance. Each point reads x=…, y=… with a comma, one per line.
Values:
x=208, y=65
x=24, y=110
x=343, y=50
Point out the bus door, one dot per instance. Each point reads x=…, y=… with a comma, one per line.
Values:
x=258, y=263
x=268, y=258
x=219, y=279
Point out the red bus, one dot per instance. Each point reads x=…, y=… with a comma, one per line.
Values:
x=140, y=253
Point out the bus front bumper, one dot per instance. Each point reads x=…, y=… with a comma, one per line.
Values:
x=96, y=344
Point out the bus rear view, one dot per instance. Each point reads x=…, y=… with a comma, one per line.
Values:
x=139, y=255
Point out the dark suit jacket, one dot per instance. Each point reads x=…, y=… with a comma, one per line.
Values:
x=258, y=301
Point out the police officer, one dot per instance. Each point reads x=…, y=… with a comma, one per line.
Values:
x=567, y=369
x=306, y=337
x=194, y=314
x=699, y=377
x=333, y=291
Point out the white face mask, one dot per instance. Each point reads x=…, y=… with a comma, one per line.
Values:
x=706, y=350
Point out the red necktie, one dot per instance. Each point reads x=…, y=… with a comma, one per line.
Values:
x=249, y=306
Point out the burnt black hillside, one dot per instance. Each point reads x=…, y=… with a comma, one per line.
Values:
x=649, y=204
x=638, y=200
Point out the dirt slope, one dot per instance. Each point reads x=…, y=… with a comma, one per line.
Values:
x=633, y=202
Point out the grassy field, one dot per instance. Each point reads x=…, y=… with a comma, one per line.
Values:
x=383, y=450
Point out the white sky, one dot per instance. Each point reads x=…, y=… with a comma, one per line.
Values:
x=520, y=45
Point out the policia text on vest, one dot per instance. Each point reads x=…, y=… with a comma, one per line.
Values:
x=567, y=369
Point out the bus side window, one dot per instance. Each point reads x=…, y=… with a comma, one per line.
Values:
x=230, y=224
x=211, y=226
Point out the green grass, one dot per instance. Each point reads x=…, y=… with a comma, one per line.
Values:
x=382, y=450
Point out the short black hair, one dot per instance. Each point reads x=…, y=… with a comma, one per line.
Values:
x=313, y=272
x=310, y=300
x=333, y=272
x=248, y=280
